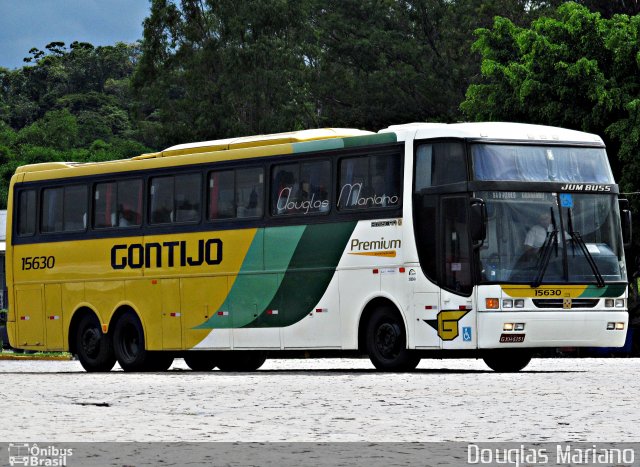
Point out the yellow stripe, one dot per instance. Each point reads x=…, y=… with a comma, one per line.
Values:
x=544, y=291
x=385, y=253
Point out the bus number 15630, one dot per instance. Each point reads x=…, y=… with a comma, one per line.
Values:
x=38, y=262
x=548, y=292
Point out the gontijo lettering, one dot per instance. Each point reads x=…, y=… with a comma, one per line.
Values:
x=169, y=254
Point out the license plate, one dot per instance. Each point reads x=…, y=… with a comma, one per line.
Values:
x=511, y=338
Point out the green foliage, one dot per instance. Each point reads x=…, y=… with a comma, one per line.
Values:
x=576, y=70
x=68, y=104
x=215, y=69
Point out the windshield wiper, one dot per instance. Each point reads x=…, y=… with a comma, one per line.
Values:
x=585, y=251
x=545, y=256
x=545, y=250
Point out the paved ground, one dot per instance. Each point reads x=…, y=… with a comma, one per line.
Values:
x=325, y=400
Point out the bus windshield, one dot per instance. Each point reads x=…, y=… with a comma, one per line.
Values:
x=539, y=238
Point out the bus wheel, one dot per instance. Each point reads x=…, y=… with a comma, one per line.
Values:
x=94, y=349
x=201, y=361
x=128, y=344
x=507, y=361
x=241, y=360
x=386, y=342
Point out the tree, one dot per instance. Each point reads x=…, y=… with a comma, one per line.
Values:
x=576, y=70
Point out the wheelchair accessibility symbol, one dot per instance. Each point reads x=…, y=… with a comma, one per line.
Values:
x=466, y=334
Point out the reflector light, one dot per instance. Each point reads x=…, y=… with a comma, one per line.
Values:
x=375, y=271
x=507, y=327
x=402, y=269
x=492, y=303
x=174, y=315
x=272, y=312
x=223, y=313
x=321, y=310
x=507, y=303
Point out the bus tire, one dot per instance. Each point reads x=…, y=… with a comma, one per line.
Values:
x=507, y=361
x=201, y=361
x=93, y=348
x=128, y=344
x=386, y=342
x=241, y=360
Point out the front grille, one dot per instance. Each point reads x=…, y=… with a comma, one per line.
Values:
x=559, y=303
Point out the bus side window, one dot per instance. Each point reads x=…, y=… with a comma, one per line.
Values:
x=301, y=188
x=187, y=198
x=117, y=204
x=368, y=182
x=75, y=208
x=222, y=204
x=27, y=212
x=250, y=192
x=64, y=209
x=161, y=211
x=440, y=164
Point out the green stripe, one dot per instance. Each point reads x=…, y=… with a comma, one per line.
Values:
x=366, y=140
x=320, y=145
x=613, y=290
x=252, y=291
x=340, y=143
x=310, y=271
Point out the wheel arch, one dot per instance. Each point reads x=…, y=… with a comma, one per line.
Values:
x=123, y=309
x=78, y=314
x=372, y=305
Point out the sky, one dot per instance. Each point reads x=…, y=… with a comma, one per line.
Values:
x=25, y=24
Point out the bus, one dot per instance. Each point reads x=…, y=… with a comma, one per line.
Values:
x=485, y=240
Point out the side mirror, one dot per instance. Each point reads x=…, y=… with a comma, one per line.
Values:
x=625, y=219
x=478, y=219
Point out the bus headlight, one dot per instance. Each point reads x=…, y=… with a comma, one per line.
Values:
x=507, y=303
x=519, y=303
x=608, y=302
x=619, y=302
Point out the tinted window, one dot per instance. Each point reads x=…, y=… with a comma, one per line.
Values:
x=27, y=212
x=236, y=193
x=440, y=164
x=301, y=188
x=175, y=199
x=118, y=204
x=370, y=182
x=64, y=209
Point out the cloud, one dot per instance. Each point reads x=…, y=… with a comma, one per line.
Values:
x=35, y=23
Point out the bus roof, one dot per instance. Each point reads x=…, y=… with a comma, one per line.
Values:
x=213, y=147
x=259, y=140
x=502, y=131
x=315, y=139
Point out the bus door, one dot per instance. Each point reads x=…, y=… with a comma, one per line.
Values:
x=456, y=317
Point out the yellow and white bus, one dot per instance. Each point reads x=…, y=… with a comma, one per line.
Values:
x=478, y=239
